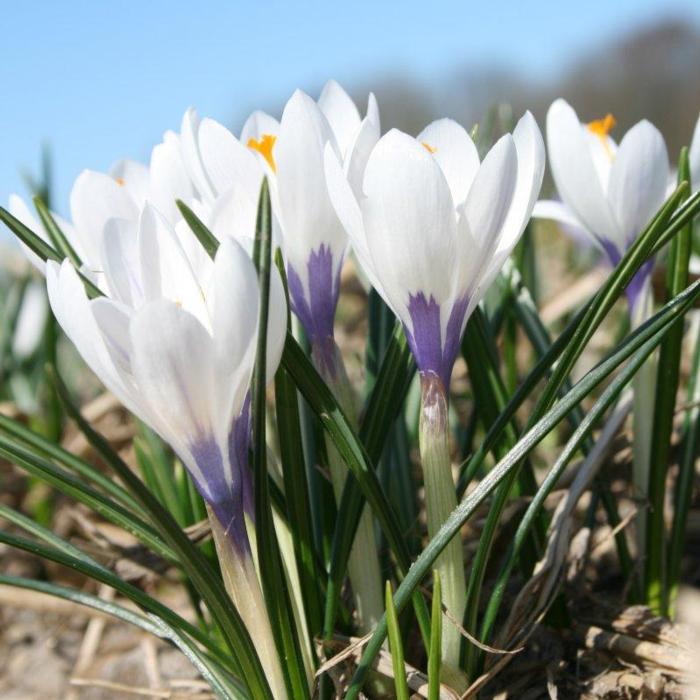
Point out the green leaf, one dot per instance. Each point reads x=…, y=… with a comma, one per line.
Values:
x=435, y=652
x=41, y=446
x=224, y=686
x=56, y=235
x=274, y=582
x=656, y=589
x=34, y=242
x=296, y=488
x=655, y=328
x=209, y=242
x=395, y=646
x=64, y=482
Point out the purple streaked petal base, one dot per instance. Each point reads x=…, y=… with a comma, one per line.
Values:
x=317, y=312
x=225, y=500
x=433, y=353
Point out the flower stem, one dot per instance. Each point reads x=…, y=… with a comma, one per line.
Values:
x=441, y=500
x=644, y=385
x=242, y=585
x=363, y=564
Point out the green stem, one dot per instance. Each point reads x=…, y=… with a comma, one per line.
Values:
x=243, y=587
x=441, y=500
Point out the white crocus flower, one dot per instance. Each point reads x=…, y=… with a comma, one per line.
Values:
x=313, y=239
x=31, y=321
x=610, y=191
x=178, y=351
x=432, y=226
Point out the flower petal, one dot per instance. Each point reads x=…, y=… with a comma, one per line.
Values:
x=173, y=365
x=168, y=177
x=638, y=179
x=410, y=222
x=455, y=153
x=575, y=175
x=94, y=199
x=307, y=217
x=342, y=114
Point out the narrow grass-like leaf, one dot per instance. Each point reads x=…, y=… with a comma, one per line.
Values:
x=40, y=445
x=686, y=472
x=435, y=651
x=210, y=586
x=33, y=528
x=296, y=488
x=66, y=483
x=654, y=328
x=103, y=575
x=37, y=245
x=225, y=687
x=209, y=242
x=395, y=646
x=269, y=557
x=34, y=242
x=56, y=235
x=655, y=583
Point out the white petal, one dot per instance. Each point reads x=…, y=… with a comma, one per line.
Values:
x=638, y=179
x=342, y=114
x=189, y=143
x=94, y=199
x=349, y=213
x=233, y=215
x=307, y=216
x=359, y=152
x=227, y=162
x=234, y=324
x=455, y=153
x=73, y=311
x=531, y=157
x=173, y=365
x=168, y=177
x=120, y=262
x=410, y=222
x=575, y=175
x=134, y=177
x=165, y=269
x=491, y=193
x=257, y=125
x=31, y=321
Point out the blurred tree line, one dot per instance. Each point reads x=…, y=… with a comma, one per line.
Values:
x=653, y=73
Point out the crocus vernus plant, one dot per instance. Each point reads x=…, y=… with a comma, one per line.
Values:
x=432, y=226
x=612, y=192
x=178, y=351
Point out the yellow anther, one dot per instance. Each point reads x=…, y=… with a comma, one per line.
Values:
x=428, y=147
x=601, y=128
x=120, y=181
x=264, y=146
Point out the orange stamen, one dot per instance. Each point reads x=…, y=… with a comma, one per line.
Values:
x=264, y=146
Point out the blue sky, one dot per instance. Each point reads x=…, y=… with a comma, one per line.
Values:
x=103, y=80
